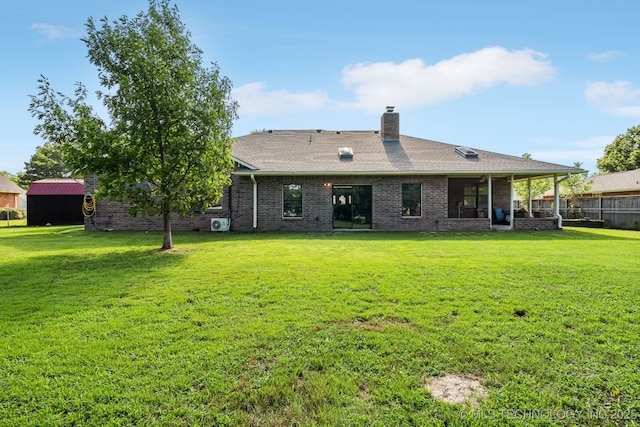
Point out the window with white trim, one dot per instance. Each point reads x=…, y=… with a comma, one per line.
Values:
x=292, y=201
x=411, y=199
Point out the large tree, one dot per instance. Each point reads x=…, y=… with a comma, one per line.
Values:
x=46, y=162
x=170, y=117
x=623, y=154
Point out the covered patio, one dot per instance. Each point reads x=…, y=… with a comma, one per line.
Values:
x=487, y=202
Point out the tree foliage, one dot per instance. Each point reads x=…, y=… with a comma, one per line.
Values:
x=623, y=154
x=576, y=184
x=170, y=117
x=46, y=162
x=538, y=187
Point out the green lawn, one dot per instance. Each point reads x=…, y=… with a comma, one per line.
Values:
x=13, y=222
x=335, y=329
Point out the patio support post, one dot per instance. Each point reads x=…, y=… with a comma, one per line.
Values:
x=530, y=198
x=511, y=217
x=556, y=200
x=489, y=203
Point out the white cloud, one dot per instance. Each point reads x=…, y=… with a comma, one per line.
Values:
x=619, y=98
x=413, y=83
x=409, y=84
x=57, y=31
x=607, y=56
x=254, y=99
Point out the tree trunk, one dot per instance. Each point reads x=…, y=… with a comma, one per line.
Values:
x=168, y=241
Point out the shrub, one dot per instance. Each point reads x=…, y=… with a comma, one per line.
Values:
x=13, y=213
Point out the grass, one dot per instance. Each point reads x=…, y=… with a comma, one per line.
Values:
x=13, y=223
x=335, y=329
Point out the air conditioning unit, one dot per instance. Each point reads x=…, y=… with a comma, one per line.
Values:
x=219, y=224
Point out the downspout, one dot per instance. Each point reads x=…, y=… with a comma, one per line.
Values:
x=229, y=202
x=95, y=204
x=255, y=202
x=511, y=216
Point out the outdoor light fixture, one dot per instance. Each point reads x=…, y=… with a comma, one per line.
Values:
x=327, y=185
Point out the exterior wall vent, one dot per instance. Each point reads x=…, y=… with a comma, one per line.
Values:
x=345, y=153
x=466, y=152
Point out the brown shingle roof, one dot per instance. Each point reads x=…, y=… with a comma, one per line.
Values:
x=313, y=152
x=7, y=186
x=615, y=182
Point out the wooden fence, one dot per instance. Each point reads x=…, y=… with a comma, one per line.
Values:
x=616, y=212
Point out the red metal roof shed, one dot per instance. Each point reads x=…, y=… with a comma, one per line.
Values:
x=57, y=187
x=56, y=201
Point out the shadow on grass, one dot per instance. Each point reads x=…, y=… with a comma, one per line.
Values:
x=51, y=285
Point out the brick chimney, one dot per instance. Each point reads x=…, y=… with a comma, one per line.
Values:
x=390, y=125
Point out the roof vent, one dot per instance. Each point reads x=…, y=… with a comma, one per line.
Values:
x=466, y=152
x=345, y=152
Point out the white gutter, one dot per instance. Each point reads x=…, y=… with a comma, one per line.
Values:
x=449, y=173
x=255, y=201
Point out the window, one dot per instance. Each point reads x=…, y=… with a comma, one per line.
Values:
x=292, y=201
x=411, y=199
x=476, y=195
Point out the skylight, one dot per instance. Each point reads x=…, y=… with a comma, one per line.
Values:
x=345, y=152
x=466, y=152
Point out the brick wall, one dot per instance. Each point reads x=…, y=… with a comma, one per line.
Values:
x=114, y=215
x=468, y=223
x=318, y=205
x=9, y=200
x=535, y=224
x=237, y=203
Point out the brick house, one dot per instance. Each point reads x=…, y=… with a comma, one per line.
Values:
x=319, y=180
x=10, y=194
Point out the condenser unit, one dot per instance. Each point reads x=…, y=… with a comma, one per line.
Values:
x=219, y=224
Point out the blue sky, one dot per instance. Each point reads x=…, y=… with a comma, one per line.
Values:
x=555, y=78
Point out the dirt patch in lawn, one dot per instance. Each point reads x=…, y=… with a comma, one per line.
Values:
x=457, y=389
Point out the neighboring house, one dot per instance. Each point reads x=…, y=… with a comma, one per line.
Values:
x=10, y=194
x=613, y=198
x=318, y=180
x=614, y=184
x=55, y=201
